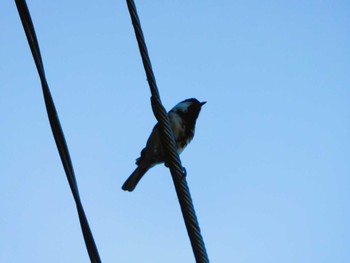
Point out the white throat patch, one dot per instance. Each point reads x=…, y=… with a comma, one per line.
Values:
x=182, y=106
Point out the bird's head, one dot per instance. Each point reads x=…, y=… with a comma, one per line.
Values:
x=189, y=109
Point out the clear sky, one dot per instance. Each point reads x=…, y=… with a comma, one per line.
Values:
x=268, y=169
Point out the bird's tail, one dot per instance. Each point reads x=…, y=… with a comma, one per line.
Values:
x=134, y=178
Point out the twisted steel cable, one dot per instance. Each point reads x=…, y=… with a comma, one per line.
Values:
x=57, y=129
x=177, y=171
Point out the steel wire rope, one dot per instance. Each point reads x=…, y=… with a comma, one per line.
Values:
x=177, y=171
x=57, y=129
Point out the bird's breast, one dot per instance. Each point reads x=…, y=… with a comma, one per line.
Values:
x=182, y=131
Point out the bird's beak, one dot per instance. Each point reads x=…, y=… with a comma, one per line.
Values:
x=202, y=103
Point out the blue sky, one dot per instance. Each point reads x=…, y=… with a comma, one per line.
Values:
x=268, y=169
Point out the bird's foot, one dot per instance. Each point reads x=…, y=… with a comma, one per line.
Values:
x=184, y=172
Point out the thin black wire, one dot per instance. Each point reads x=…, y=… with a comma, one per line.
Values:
x=176, y=169
x=57, y=129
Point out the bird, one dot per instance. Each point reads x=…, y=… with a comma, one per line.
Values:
x=182, y=117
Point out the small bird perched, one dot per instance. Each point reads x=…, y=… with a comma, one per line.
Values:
x=183, y=119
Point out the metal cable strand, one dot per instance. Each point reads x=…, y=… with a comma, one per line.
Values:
x=57, y=129
x=177, y=171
